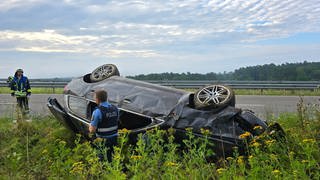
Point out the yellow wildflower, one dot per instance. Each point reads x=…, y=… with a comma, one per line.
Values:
x=269, y=142
x=117, y=156
x=171, y=164
x=309, y=141
x=273, y=156
x=255, y=144
x=124, y=130
x=250, y=157
x=245, y=135
x=135, y=157
x=258, y=137
x=44, y=151
x=92, y=160
x=304, y=161
x=77, y=167
x=240, y=160
x=205, y=131
x=221, y=170
x=229, y=158
x=276, y=171
x=257, y=128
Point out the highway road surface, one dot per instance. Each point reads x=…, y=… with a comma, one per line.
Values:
x=263, y=106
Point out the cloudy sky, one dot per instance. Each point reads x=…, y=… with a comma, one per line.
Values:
x=64, y=38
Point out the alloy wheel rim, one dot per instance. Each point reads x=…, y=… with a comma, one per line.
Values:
x=103, y=72
x=215, y=94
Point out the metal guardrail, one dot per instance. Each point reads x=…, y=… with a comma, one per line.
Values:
x=286, y=85
x=40, y=84
x=245, y=84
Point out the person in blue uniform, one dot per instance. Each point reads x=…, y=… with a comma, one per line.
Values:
x=105, y=122
x=20, y=88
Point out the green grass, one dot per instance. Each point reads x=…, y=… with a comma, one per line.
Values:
x=6, y=90
x=275, y=92
x=44, y=149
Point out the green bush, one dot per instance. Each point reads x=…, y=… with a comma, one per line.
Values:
x=44, y=149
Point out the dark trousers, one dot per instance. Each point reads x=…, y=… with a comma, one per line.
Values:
x=23, y=103
x=109, y=143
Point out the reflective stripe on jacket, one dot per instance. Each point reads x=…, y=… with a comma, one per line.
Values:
x=21, y=86
x=20, y=94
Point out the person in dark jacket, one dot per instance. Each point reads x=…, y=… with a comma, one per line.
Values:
x=20, y=88
x=105, y=122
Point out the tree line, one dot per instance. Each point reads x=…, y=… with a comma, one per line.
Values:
x=305, y=71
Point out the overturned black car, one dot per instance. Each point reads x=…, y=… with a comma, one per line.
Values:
x=144, y=106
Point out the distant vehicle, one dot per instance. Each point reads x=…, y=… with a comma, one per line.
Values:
x=144, y=106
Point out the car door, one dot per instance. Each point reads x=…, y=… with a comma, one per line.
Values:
x=78, y=111
x=59, y=112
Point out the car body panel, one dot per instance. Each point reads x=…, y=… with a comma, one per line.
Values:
x=141, y=97
x=58, y=111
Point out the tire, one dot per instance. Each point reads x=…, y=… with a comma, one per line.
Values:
x=214, y=97
x=103, y=72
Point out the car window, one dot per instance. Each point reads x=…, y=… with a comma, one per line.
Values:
x=78, y=106
x=91, y=107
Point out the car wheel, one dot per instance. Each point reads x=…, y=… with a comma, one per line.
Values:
x=104, y=72
x=214, y=97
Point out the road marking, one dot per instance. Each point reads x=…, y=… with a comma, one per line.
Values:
x=9, y=103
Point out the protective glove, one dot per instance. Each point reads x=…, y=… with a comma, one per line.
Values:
x=28, y=93
x=12, y=94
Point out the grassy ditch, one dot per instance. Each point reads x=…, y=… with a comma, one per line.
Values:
x=45, y=149
x=6, y=90
x=278, y=92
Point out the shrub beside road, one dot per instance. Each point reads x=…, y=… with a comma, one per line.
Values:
x=45, y=149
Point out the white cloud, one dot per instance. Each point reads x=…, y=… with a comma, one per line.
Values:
x=154, y=23
x=49, y=41
x=6, y=5
x=45, y=50
x=130, y=53
x=155, y=29
x=47, y=36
